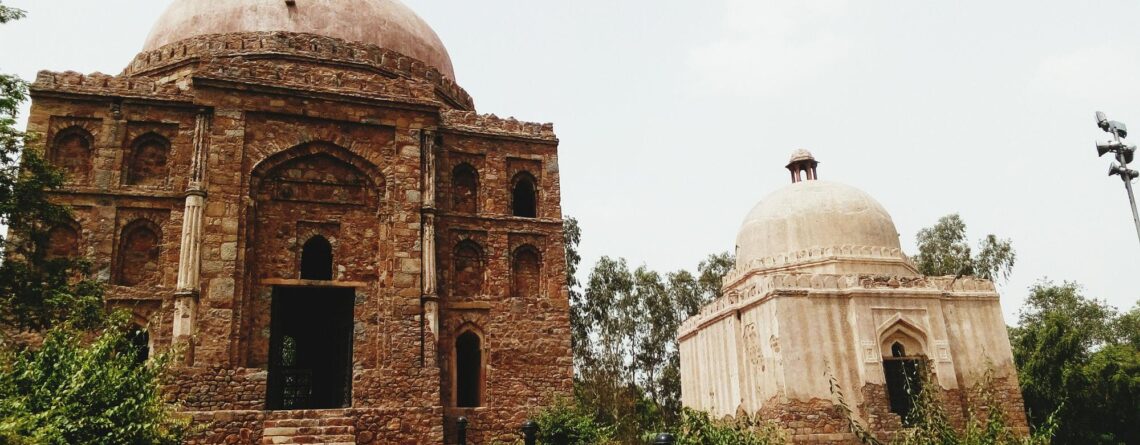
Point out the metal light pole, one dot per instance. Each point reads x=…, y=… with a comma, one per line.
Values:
x=1124, y=154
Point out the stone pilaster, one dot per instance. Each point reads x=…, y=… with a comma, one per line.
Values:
x=189, y=261
x=427, y=244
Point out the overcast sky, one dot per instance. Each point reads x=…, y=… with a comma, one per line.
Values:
x=676, y=117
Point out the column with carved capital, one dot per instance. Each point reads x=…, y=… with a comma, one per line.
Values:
x=430, y=298
x=189, y=261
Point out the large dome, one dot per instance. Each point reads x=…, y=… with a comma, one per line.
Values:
x=810, y=215
x=385, y=23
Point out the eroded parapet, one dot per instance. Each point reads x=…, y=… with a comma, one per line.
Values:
x=106, y=85
x=818, y=254
x=308, y=46
x=318, y=80
x=490, y=124
x=760, y=287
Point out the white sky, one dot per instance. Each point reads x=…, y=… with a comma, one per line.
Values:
x=677, y=116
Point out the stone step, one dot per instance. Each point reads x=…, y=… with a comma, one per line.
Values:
x=294, y=423
x=308, y=431
x=308, y=440
x=309, y=427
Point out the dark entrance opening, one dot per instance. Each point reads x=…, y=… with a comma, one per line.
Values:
x=310, y=348
x=904, y=381
x=468, y=370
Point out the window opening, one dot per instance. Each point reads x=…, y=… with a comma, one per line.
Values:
x=316, y=259
x=524, y=200
x=469, y=372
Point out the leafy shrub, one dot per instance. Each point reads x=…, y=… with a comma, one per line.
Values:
x=567, y=423
x=69, y=391
x=698, y=428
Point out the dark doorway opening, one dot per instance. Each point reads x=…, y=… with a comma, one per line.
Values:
x=468, y=370
x=310, y=348
x=904, y=381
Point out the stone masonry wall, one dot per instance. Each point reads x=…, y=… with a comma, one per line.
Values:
x=316, y=137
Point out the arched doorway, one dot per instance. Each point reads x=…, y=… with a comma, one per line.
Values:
x=903, y=367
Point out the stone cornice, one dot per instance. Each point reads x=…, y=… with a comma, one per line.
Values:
x=489, y=124
x=98, y=84
x=818, y=255
x=318, y=49
x=760, y=288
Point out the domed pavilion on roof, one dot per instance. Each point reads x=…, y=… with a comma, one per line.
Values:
x=298, y=199
x=822, y=291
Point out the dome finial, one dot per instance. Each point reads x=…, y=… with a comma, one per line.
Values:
x=803, y=164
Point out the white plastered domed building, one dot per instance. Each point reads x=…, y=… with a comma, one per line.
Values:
x=822, y=292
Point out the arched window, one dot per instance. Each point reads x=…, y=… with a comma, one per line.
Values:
x=71, y=152
x=317, y=259
x=62, y=242
x=465, y=189
x=526, y=279
x=138, y=254
x=147, y=162
x=469, y=269
x=140, y=342
x=524, y=196
x=468, y=370
x=898, y=350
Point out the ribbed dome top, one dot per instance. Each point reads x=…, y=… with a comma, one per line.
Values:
x=385, y=23
x=811, y=214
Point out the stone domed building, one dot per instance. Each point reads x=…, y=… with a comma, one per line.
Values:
x=822, y=290
x=299, y=196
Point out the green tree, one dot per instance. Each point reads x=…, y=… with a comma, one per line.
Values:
x=1076, y=357
x=84, y=382
x=625, y=327
x=944, y=250
x=36, y=291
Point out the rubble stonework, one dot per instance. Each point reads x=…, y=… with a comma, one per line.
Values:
x=200, y=174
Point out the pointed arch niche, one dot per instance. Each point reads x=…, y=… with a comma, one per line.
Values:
x=147, y=160
x=465, y=189
x=71, y=151
x=526, y=272
x=63, y=241
x=469, y=269
x=137, y=261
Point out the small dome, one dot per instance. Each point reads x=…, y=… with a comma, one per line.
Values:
x=385, y=23
x=813, y=214
x=801, y=155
